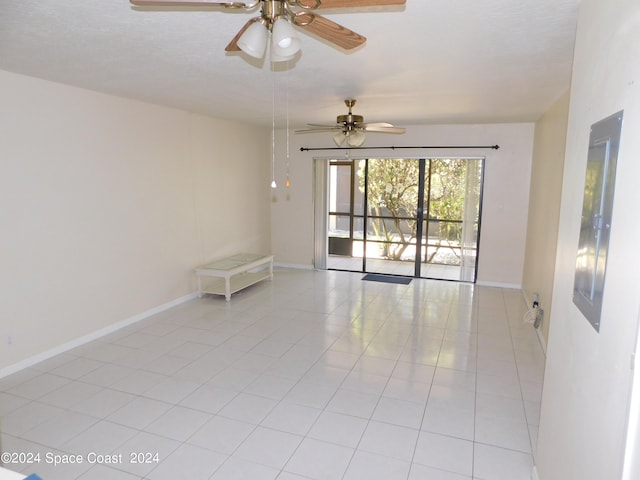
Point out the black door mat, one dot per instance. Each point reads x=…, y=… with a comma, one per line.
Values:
x=387, y=278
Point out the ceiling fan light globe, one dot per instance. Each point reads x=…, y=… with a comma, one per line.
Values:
x=356, y=139
x=339, y=138
x=284, y=40
x=281, y=58
x=253, y=41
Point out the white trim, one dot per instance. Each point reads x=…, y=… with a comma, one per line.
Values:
x=499, y=285
x=29, y=362
x=298, y=266
x=534, y=473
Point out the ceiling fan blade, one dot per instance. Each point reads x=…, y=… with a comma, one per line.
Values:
x=377, y=124
x=233, y=44
x=355, y=3
x=187, y=3
x=315, y=130
x=383, y=128
x=329, y=30
x=375, y=129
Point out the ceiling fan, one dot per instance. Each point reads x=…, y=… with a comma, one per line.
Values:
x=352, y=128
x=276, y=19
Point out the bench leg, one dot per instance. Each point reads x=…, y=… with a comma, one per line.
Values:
x=227, y=289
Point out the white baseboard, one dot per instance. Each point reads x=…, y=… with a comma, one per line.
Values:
x=297, y=266
x=29, y=362
x=499, y=284
x=534, y=473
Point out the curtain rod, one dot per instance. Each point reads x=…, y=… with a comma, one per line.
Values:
x=494, y=147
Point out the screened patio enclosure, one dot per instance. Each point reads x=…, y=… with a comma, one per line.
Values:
x=411, y=217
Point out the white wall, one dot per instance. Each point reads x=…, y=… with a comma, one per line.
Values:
x=584, y=406
x=544, y=207
x=107, y=205
x=506, y=193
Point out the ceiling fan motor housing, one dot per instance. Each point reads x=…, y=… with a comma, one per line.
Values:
x=272, y=9
x=350, y=120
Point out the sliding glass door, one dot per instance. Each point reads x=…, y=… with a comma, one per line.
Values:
x=414, y=217
x=393, y=194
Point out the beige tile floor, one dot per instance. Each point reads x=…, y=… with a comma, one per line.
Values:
x=315, y=375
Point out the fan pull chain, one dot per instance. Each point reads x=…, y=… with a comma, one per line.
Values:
x=287, y=182
x=273, y=131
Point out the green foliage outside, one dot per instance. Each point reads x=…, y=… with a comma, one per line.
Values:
x=393, y=192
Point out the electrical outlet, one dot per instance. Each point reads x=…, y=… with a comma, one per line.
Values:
x=9, y=339
x=536, y=301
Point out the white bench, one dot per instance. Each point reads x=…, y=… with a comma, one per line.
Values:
x=231, y=274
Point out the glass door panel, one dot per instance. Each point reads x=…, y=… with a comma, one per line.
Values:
x=342, y=223
x=421, y=216
x=471, y=221
x=453, y=218
x=392, y=192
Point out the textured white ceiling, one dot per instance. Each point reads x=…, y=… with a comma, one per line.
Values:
x=432, y=61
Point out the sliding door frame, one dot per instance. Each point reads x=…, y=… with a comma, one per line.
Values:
x=322, y=210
